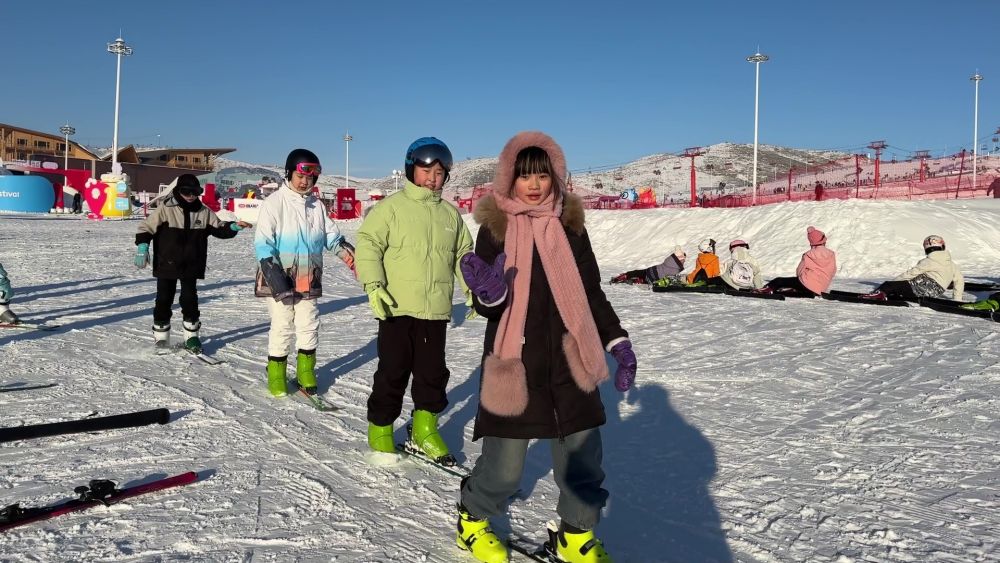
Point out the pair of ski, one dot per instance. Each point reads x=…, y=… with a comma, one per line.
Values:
x=98, y=492
x=938, y=304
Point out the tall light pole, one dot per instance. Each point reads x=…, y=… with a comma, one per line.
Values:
x=67, y=131
x=756, y=58
x=120, y=49
x=975, y=78
x=347, y=161
x=396, y=174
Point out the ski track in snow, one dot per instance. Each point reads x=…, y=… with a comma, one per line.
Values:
x=801, y=430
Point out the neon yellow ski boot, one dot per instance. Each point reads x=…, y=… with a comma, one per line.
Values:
x=425, y=436
x=476, y=537
x=276, y=382
x=305, y=370
x=583, y=547
x=380, y=438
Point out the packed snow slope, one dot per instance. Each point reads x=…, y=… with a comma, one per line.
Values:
x=803, y=430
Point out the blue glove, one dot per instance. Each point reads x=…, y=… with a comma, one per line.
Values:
x=484, y=280
x=235, y=227
x=142, y=255
x=625, y=375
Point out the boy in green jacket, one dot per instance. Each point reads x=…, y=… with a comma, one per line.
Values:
x=407, y=258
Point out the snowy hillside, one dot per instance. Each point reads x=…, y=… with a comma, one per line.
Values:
x=803, y=430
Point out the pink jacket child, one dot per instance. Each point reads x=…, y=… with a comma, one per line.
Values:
x=815, y=271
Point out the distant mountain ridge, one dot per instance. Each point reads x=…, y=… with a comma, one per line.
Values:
x=723, y=167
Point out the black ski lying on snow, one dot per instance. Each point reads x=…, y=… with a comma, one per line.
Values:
x=29, y=326
x=751, y=293
x=853, y=297
x=140, y=418
x=685, y=289
x=982, y=286
x=413, y=452
x=9, y=388
x=98, y=492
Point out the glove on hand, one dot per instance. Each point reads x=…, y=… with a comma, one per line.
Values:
x=625, y=375
x=141, y=255
x=346, y=253
x=484, y=280
x=380, y=300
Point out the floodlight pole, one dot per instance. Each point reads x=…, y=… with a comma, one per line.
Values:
x=755, y=58
x=347, y=161
x=120, y=49
x=975, y=78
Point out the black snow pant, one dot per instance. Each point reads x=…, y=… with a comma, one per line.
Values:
x=791, y=282
x=702, y=275
x=165, y=291
x=647, y=275
x=912, y=289
x=409, y=345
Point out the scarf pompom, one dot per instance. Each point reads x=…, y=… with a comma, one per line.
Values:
x=505, y=386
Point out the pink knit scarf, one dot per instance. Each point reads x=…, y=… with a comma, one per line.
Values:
x=504, y=391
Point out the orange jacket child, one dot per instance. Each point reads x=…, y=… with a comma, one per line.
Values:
x=707, y=260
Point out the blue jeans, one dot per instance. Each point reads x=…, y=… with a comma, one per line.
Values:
x=576, y=466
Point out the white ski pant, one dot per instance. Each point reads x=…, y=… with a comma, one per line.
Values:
x=299, y=322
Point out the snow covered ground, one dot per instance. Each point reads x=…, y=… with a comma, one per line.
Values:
x=758, y=430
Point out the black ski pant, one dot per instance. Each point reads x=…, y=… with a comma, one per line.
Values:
x=702, y=275
x=407, y=345
x=165, y=291
x=898, y=289
x=791, y=282
x=647, y=275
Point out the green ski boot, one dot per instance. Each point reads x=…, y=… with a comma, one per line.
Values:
x=475, y=536
x=424, y=435
x=984, y=305
x=305, y=370
x=380, y=438
x=580, y=547
x=277, y=383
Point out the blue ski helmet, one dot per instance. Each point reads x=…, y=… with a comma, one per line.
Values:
x=425, y=151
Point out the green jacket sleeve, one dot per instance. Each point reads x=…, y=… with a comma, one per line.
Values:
x=373, y=239
x=463, y=247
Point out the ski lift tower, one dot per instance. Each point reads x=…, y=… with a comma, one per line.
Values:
x=923, y=156
x=877, y=146
x=692, y=152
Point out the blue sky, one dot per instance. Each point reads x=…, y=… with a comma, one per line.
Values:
x=611, y=84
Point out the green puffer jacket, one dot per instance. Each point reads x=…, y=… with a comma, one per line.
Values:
x=410, y=242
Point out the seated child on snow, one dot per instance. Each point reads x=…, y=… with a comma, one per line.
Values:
x=672, y=265
x=929, y=278
x=742, y=271
x=815, y=270
x=706, y=266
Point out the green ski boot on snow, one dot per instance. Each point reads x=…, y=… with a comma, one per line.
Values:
x=305, y=370
x=580, y=547
x=984, y=305
x=380, y=438
x=277, y=383
x=476, y=537
x=424, y=435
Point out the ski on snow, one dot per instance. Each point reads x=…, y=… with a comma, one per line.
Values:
x=413, y=452
x=128, y=420
x=98, y=492
x=199, y=354
x=854, y=297
x=954, y=308
x=9, y=388
x=30, y=326
x=317, y=401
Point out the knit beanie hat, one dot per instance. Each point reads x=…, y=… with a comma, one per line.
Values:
x=816, y=236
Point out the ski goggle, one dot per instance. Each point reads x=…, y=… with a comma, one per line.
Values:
x=308, y=168
x=189, y=190
x=426, y=155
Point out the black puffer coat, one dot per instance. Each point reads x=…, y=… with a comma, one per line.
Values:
x=179, y=232
x=556, y=407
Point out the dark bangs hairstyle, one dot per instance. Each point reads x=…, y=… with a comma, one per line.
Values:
x=534, y=160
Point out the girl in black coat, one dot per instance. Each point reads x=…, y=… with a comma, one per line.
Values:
x=535, y=279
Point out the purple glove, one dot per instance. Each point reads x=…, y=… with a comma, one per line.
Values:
x=625, y=375
x=484, y=280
